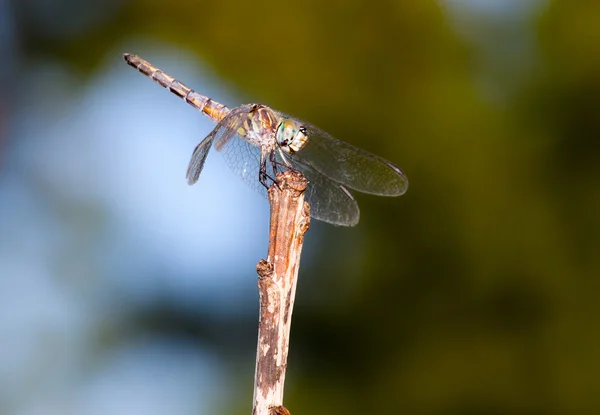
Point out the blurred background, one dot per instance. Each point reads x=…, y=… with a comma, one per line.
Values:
x=125, y=291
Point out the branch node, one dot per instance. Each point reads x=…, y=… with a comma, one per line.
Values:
x=264, y=269
x=278, y=410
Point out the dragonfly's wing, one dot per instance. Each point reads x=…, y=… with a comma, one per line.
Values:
x=220, y=135
x=242, y=157
x=349, y=165
x=231, y=125
x=329, y=201
x=198, y=158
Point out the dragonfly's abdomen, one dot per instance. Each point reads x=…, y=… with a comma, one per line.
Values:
x=202, y=103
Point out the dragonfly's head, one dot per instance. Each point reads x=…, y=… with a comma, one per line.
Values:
x=291, y=135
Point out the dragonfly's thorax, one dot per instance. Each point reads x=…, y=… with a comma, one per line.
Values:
x=259, y=126
x=291, y=136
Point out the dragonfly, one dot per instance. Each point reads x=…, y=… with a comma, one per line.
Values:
x=258, y=142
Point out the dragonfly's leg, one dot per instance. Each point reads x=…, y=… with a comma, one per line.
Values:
x=285, y=163
x=274, y=162
x=263, y=176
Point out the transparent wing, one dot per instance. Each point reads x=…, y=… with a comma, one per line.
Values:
x=243, y=159
x=349, y=165
x=329, y=201
x=221, y=134
x=230, y=126
x=198, y=158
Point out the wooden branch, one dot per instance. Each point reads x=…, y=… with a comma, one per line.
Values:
x=278, y=274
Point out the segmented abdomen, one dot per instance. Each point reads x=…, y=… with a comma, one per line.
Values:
x=202, y=103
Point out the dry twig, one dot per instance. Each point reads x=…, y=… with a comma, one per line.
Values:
x=290, y=219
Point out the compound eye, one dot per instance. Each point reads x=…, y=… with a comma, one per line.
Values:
x=302, y=129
